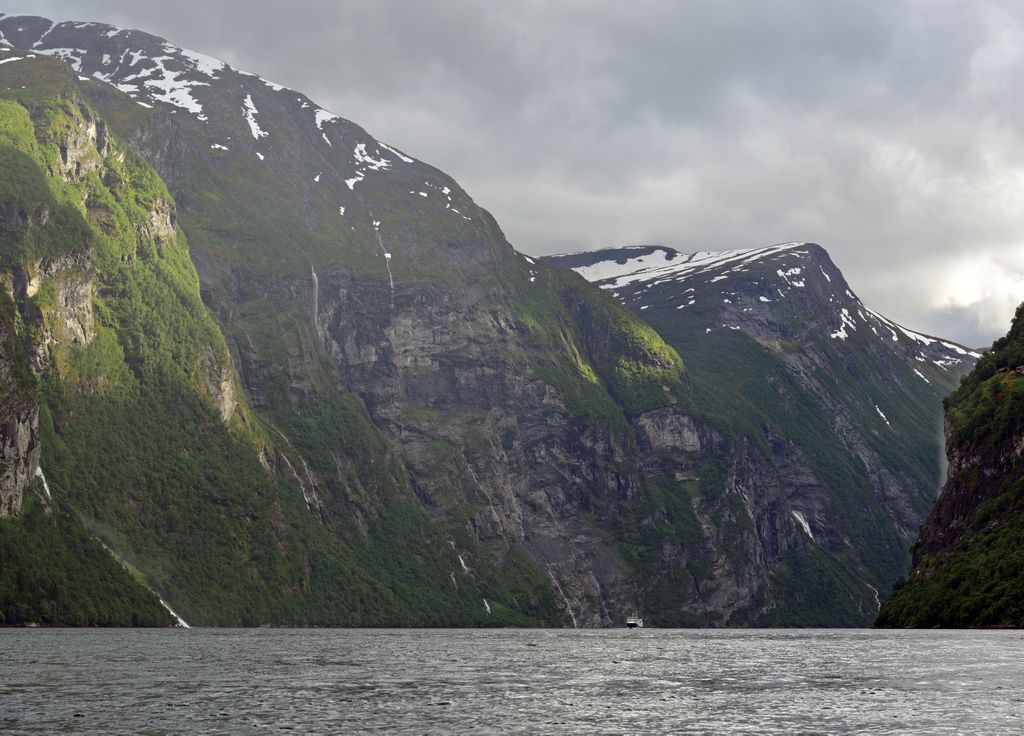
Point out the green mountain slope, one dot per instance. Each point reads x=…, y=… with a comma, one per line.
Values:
x=143, y=438
x=969, y=558
x=825, y=417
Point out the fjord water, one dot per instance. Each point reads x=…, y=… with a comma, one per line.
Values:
x=511, y=681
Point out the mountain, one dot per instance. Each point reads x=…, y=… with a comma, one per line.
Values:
x=837, y=407
x=970, y=553
x=423, y=397
x=125, y=395
x=378, y=412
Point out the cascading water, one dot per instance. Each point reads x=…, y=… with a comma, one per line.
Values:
x=178, y=620
x=564, y=599
x=316, y=295
x=387, y=261
x=46, y=486
x=465, y=567
x=878, y=601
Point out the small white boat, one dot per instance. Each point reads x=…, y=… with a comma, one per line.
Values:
x=634, y=622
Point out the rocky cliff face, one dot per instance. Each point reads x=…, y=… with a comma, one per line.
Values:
x=831, y=411
x=19, y=426
x=405, y=362
x=968, y=557
x=371, y=274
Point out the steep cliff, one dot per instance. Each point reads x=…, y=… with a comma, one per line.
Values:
x=346, y=275
x=826, y=420
x=970, y=553
x=141, y=432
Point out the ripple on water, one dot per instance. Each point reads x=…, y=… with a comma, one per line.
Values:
x=519, y=681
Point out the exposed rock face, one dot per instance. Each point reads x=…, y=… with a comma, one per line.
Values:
x=835, y=383
x=449, y=384
x=19, y=429
x=160, y=225
x=69, y=319
x=219, y=381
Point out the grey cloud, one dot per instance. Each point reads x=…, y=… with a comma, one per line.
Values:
x=885, y=131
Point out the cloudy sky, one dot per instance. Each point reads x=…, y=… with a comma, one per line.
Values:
x=888, y=131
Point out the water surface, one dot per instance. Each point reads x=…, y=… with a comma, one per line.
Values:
x=510, y=681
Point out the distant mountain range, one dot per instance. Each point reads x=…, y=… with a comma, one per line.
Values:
x=290, y=375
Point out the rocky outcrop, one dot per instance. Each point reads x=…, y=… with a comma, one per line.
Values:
x=218, y=380
x=64, y=312
x=82, y=147
x=160, y=225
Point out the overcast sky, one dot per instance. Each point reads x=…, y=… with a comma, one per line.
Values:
x=888, y=131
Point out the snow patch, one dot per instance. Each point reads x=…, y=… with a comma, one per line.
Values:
x=250, y=112
x=363, y=158
x=400, y=155
x=322, y=116
x=785, y=275
x=667, y=265
x=847, y=321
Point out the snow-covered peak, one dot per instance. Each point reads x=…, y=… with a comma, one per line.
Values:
x=155, y=72
x=774, y=292
x=657, y=264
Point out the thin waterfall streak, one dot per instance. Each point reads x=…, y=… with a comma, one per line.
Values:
x=46, y=486
x=316, y=296
x=564, y=599
x=387, y=265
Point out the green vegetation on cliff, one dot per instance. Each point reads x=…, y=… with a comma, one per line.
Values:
x=55, y=573
x=969, y=559
x=144, y=446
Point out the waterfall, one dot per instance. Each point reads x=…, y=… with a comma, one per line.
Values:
x=309, y=493
x=316, y=295
x=564, y=599
x=46, y=486
x=387, y=261
x=179, y=621
x=487, y=606
x=878, y=602
x=465, y=567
